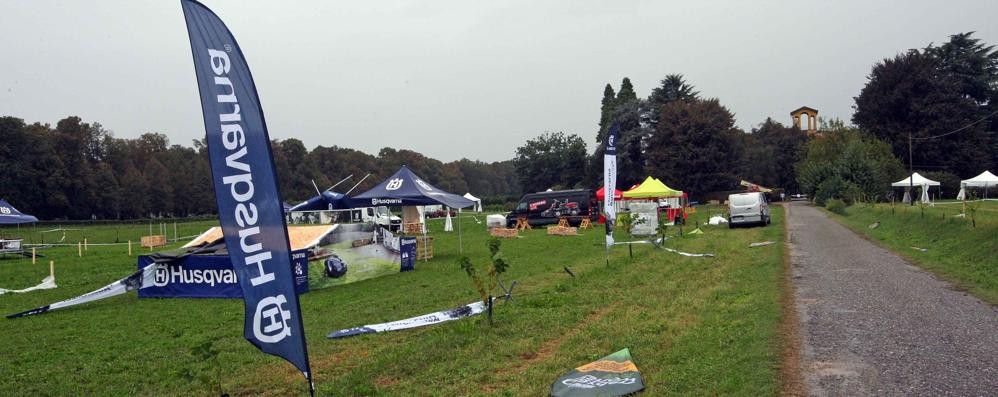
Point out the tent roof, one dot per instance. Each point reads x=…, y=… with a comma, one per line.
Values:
x=600, y=194
x=652, y=188
x=325, y=201
x=10, y=215
x=471, y=197
x=915, y=179
x=986, y=178
x=405, y=188
x=300, y=237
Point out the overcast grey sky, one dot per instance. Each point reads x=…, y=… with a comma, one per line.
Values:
x=455, y=79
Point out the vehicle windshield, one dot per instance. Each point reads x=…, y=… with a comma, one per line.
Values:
x=744, y=200
x=382, y=210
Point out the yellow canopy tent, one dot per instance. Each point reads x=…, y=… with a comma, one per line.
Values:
x=652, y=188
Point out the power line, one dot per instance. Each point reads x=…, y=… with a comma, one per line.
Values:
x=958, y=129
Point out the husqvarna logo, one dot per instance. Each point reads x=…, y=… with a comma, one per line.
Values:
x=270, y=322
x=162, y=276
x=610, y=141
x=165, y=275
x=394, y=184
x=4, y=210
x=298, y=269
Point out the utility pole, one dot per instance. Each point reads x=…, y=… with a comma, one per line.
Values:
x=911, y=174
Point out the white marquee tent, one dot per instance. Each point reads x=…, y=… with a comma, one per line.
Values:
x=478, y=202
x=986, y=180
x=916, y=179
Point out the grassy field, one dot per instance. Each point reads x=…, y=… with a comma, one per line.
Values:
x=695, y=326
x=954, y=248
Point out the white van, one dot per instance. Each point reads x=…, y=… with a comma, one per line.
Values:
x=748, y=208
x=377, y=215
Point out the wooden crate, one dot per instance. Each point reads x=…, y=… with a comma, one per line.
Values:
x=424, y=247
x=412, y=228
x=158, y=240
x=563, y=231
x=504, y=232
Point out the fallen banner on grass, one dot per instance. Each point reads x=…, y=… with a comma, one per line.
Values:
x=47, y=283
x=414, y=322
x=687, y=253
x=613, y=375
x=652, y=242
x=761, y=244
x=139, y=279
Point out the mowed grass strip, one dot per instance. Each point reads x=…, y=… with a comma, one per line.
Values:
x=704, y=326
x=955, y=249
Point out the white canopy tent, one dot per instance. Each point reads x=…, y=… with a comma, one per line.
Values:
x=985, y=180
x=478, y=202
x=916, y=179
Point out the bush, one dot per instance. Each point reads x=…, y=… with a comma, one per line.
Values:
x=837, y=206
x=847, y=164
x=837, y=188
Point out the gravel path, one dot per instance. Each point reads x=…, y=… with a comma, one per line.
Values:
x=873, y=324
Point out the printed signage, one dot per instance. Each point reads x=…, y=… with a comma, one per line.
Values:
x=407, y=251
x=208, y=276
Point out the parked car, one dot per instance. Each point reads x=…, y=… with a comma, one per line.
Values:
x=543, y=208
x=748, y=208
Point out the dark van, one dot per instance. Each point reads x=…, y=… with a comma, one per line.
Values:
x=543, y=208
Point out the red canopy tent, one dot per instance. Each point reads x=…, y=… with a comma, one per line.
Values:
x=601, y=194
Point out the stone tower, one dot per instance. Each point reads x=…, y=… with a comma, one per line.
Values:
x=812, y=119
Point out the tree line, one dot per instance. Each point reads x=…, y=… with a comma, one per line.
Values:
x=79, y=170
x=689, y=141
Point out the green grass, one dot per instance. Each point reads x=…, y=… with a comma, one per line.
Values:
x=955, y=249
x=695, y=326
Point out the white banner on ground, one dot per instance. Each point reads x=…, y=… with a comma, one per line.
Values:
x=424, y=320
x=47, y=283
x=140, y=279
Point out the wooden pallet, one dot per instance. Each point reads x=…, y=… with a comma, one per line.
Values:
x=153, y=241
x=504, y=232
x=563, y=221
x=522, y=224
x=424, y=247
x=586, y=223
x=563, y=231
x=412, y=228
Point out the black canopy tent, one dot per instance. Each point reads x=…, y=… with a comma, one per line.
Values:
x=11, y=216
x=406, y=189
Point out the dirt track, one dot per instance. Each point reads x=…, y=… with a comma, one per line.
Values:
x=873, y=324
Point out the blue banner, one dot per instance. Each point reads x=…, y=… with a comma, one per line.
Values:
x=249, y=203
x=208, y=276
x=407, y=252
